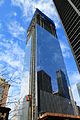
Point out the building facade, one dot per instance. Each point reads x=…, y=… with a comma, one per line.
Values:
x=23, y=110
x=4, y=113
x=44, y=80
x=62, y=84
x=69, y=12
x=78, y=88
x=49, y=101
x=4, y=88
x=43, y=59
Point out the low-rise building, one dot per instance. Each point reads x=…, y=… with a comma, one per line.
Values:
x=4, y=87
x=4, y=111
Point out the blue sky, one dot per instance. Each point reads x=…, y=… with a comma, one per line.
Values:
x=15, y=16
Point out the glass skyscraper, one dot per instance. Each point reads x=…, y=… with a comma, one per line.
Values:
x=78, y=88
x=43, y=59
x=69, y=12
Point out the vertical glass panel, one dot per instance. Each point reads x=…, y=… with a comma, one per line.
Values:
x=53, y=92
x=24, y=106
x=26, y=69
x=49, y=56
x=1, y=90
x=78, y=87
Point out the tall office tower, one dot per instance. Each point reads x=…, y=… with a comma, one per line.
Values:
x=69, y=12
x=62, y=84
x=78, y=88
x=43, y=53
x=4, y=87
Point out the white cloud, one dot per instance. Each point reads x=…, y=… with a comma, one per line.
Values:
x=1, y=2
x=74, y=77
x=12, y=54
x=29, y=6
x=16, y=30
x=15, y=14
x=13, y=57
x=0, y=25
x=5, y=43
x=65, y=50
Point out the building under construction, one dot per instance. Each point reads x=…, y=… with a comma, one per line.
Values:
x=53, y=116
x=49, y=95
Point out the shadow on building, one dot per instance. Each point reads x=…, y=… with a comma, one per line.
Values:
x=4, y=113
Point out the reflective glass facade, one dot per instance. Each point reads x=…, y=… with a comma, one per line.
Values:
x=26, y=70
x=78, y=87
x=23, y=109
x=69, y=12
x=49, y=55
x=49, y=61
x=43, y=60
